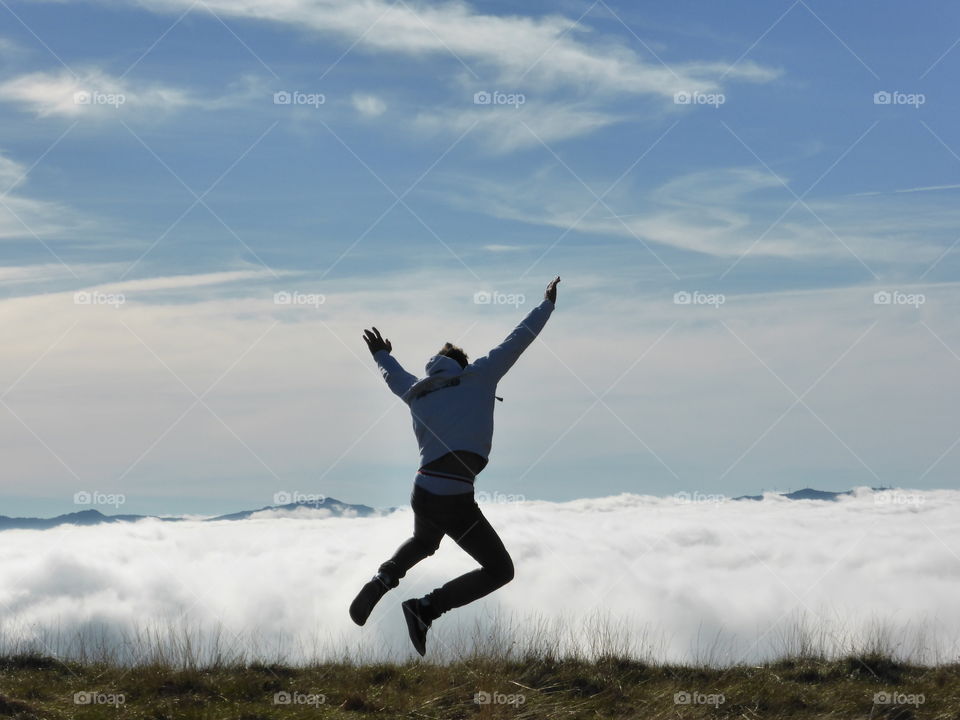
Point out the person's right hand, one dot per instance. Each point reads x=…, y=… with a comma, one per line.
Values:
x=551, y=293
x=375, y=342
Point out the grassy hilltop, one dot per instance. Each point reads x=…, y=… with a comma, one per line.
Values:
x=35, y=686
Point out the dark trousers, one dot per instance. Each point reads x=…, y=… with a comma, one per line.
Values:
x=460, y=517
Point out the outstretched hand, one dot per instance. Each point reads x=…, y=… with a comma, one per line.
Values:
x=551, y=293
x=375, y=342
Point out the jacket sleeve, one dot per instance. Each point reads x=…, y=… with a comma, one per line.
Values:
x=501, y=358
x=398, y=379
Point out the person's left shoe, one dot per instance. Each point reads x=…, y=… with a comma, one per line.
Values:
x=367, y=599
x=419, y=619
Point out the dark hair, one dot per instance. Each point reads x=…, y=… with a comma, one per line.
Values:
x=454, y=353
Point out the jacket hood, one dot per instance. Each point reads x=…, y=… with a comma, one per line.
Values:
x=439, y=370
x=443, y=366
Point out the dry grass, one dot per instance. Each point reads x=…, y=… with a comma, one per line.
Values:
x=525, y=670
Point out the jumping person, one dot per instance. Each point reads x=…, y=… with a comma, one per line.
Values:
x=452, y=409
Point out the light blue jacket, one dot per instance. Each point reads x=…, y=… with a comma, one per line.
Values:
x=452, y=407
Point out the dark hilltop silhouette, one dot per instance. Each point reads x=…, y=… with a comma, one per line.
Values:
x=95, y=517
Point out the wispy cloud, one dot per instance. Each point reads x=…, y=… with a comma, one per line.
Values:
x=96, y=93
x=721, y=212
x=22, y=216
x=926, y=188
x=507, y=129
x=550, y=50
x=368, y=105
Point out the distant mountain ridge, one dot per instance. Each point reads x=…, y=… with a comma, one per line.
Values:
x=336, y=508
x=95, y=517
x=805, y=494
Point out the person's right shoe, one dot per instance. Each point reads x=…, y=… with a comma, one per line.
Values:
x=418, y=623
x=366, y=600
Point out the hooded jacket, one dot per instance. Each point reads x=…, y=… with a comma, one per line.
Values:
x=452, y=407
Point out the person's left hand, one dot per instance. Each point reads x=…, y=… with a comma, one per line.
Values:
x=551, y=293
x=375, y=342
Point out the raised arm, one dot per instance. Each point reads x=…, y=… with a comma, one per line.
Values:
x=499, y=360
x=398, y=379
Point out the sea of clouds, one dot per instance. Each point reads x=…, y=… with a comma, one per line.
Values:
x=683, y=578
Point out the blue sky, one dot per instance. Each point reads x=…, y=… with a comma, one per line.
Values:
x=785, y=190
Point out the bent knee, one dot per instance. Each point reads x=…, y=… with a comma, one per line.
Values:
x=503, y=571
x=429, y=547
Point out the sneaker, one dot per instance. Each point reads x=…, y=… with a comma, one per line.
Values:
x=417, y=624
x=366, y=600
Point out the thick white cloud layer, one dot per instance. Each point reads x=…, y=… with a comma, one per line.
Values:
x=723, y=581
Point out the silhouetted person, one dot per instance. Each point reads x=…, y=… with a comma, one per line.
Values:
x=452, y=409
